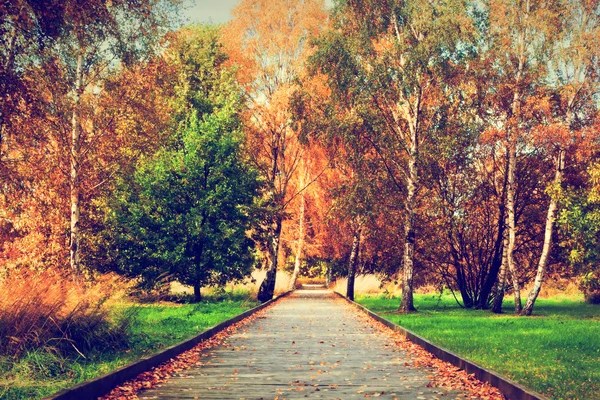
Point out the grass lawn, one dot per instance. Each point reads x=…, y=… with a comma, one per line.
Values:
x=556, y=352
x=154, y=326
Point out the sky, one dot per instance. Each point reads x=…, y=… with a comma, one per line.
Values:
x=205, y=11
x=215, y=11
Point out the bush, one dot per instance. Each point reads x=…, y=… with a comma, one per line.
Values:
x=59, y=312
x=590, y=285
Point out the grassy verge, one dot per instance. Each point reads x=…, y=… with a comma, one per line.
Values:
x=556, y=352
x=153, y=327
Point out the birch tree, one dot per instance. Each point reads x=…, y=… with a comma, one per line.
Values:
x=518, y=43
x=574, y=66
x=270, y=41
x=387, y=57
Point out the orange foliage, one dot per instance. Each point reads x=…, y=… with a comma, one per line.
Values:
x=121, y=120
x=271, y=38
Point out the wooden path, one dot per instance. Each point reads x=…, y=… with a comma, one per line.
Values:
x=308, y=345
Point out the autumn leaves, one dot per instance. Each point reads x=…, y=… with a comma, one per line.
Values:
x=435, y=142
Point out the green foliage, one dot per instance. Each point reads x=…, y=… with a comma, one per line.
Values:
x=203, y=84
x=42, y=372
x=184, y=213
x=310, y=268
x=590, y=283
x=556, y=353
x=579, y=221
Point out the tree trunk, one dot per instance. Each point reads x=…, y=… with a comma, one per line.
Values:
x=300, y=244
x=75, y=165
x=501, y=287
x=267, y=287
x=550, y=218
x=496, y=267
x=197, y=293
x=514, y=125
x=460, y=276
x=352, y=262
x=510, y=222
x=407, y=304
x=500, y=248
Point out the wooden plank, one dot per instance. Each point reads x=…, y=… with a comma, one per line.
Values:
x=309, y=345
x=97, y=387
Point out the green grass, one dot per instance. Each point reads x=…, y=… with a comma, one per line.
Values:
x=154, y=326
x=556, y=352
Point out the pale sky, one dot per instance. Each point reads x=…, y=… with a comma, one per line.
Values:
x=205, y=11
x=215, y=11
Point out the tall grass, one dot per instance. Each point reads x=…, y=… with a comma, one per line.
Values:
x=40, y=372
x=58, y=312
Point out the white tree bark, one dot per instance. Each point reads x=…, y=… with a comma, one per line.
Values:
x=300, y=241
x=75, y=167
x=412, y=177
x=511, y=224
x=550, y=218
x=501, y=286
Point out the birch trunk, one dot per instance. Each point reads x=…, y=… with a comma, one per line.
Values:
x=352, y=264
x=267, y=287
x=501, y=287
x=510, y=222
x=75, y=165
x=550, y=218
x=300, y=244
x=407, y=304
x=512, y=135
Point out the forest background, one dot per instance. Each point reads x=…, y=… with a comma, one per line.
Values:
x=450, y=144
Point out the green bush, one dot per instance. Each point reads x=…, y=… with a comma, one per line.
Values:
x=590, y=285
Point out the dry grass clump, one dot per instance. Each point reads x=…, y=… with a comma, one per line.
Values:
x=367, y=284
x=557, y=287
x=59, y=312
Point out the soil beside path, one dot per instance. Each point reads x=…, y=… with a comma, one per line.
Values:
x=308, y=345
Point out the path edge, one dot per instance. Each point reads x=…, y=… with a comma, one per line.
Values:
x=510, y=389
x=96, y=387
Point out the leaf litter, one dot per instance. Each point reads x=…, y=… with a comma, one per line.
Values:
x=157, y=375
x=443, y=374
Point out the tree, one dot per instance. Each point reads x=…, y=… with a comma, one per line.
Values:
x=94, y=35
x=518, y=43
x=569, y=113
x=387, y=58
x=186, y=212
x=269, y=40
x=580, y=222
x=58, y=58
